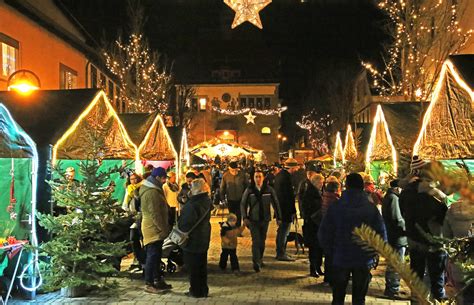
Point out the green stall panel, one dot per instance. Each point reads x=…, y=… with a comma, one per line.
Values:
x=376, y=167
x=452, y=164
x=120, y=189
x=19, y=226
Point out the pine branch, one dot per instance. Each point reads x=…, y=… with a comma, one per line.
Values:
x=371, y=240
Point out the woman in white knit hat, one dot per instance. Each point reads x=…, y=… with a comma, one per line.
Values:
x=195, y=250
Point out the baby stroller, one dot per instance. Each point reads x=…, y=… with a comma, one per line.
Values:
x=174, y=254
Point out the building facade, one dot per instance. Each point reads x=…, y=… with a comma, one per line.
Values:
x=42, y=37
x=218, y=112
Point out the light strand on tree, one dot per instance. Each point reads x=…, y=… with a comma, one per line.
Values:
x=277, y=111
x=318, y=127
x=424, y=34
x=142, y=82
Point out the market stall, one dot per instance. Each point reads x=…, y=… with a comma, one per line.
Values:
x=214, y=147
x=66, y=125
x=19, y=164
x=381, y=155
x=447, y=131
x=338, y=156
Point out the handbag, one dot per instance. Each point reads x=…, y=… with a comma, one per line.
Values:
x=181, y=238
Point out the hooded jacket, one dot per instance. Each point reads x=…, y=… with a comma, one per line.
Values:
x=335, y=232
x=154, y=211
x=394, y=222
x=229, y=235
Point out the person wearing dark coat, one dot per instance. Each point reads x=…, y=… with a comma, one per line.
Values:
x=335, y=236
x=396, y=235
x=309, y=198
x=195, y=250
x=421, y=209
x=286, y=198
x=256, y=212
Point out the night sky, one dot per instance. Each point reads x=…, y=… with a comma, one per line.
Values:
x=304, y=46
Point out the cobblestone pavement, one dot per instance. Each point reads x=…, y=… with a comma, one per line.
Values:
x=278, y=283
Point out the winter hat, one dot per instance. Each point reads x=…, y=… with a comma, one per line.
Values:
x=417, y=163
x=199, y=186
x=312, y=167
x=354, y=181
x=290, y=162
x=233, y=165
x=158, y=172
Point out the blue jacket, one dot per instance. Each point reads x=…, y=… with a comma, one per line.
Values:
x=335, y=232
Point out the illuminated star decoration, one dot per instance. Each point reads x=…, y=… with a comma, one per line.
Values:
x=250, y=118
x=247, y=10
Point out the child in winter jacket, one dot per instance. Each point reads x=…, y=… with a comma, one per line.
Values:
x=229, y=233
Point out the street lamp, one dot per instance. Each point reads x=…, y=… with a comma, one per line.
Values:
x=23, y=81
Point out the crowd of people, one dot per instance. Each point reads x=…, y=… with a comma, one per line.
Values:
x=330, y=205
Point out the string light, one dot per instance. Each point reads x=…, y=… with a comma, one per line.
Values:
x=447, y=67
x=424, y=35
x=380, y=143
x=34, y=263
x=143, y=83
x=350, y=148
x=101, y=96
x=276, y=111
x=338, y=150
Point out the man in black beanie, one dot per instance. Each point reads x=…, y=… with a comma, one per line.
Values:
x=336, y=238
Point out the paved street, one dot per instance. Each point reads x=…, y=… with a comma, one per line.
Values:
x=278, y=283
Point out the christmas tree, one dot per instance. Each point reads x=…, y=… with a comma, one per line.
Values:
x=143, y=76
x=80, y=251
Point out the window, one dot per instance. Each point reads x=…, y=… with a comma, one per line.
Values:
x=266, y=130
x=194, y=104
x=202, y=103
x=110, y=90
x=251, y=102
x=259, y=103
x=67, y=77
x=93, y=77
x=267, y=103
x=243, y=102
x=8, y=55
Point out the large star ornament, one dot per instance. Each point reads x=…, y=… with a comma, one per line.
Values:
x=247, y=10
x=250, y=118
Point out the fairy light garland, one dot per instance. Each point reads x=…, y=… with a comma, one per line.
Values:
x=276, y=111
x=425, y=33
x=318, y=127
x=143, y=82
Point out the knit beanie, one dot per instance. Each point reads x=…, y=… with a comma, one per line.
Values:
x=417, y=163
x=158, y=172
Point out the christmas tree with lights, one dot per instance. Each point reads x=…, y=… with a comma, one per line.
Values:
x=144, y=79
x=423, y=34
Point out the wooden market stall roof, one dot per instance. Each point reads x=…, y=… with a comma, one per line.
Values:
x=380, y=145
x=150, y=135
x=72, y=121
x=447, y=129
x=404, y=121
